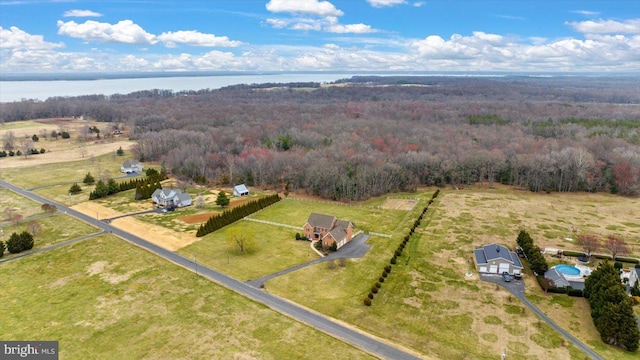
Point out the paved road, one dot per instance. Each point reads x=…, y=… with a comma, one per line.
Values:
x=361, y=340
x=356, y=248
x=516, y=287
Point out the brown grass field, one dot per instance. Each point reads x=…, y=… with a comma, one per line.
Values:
x=398, y=204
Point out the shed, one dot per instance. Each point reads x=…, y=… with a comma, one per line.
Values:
x=240, y=190
x=496, y=259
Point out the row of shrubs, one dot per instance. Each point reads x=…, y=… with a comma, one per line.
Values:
x=534, y=256
x=227, y=217
x=4, y=153
x=387, y=269
x=144, y=186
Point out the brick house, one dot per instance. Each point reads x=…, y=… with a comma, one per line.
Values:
x=328, y=229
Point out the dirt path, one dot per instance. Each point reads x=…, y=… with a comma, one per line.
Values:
x=166, y=238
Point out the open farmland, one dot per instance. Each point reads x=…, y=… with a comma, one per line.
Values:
x=108, y=299
x=427, y=302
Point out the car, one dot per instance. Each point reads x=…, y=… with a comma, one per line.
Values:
x=517, y=274
x=506, y=276
x=163, y=210
x=520, y=252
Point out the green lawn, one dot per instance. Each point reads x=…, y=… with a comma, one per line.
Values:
x=105, y=299
x=276, y=249
x=295, y=212
x=55, y=229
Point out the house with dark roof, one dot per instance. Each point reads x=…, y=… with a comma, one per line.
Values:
x=496, y=259
x=240, y=190
x=130, y=166
x=171, y=197
x=328, y=229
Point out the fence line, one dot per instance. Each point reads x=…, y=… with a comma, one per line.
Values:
x=379, y=234
x=272, y=223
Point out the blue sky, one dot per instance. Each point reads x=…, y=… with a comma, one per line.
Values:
x=314, y=35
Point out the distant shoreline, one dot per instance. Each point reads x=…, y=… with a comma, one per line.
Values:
x=164, y=74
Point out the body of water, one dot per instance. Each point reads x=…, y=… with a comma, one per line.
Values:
x=41, y=89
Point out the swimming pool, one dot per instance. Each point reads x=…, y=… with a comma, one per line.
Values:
x=568, y=269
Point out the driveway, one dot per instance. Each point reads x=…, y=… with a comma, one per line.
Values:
x=356, y=248
x=516, y=287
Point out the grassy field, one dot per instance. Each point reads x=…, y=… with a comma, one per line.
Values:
x=56, y=228
x=427, y=302
x=73, y=171
x=18, y=205
x=105, y=299
x=368, y=217
x=276, y=249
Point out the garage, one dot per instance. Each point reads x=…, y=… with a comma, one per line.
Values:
x=493, y=269
x=483, y=269
x=503, y=268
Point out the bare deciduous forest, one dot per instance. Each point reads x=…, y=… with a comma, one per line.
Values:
x=368, y=136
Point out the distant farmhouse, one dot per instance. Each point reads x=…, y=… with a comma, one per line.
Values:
x=171, y=197
x=240, y=190
x=328, y=229
x=496, y=259
x=130, y=166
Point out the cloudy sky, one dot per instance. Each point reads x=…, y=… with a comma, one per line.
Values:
x=317, y=35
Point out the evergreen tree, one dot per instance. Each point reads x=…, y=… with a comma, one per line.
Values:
x=113, y=187
x=75, y=189
x=89, y=179
x=222, y=199
x=2, y=247
x=14, y=245
x=101, y=189
x=26, y=239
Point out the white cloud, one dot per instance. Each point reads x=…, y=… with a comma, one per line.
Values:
x=328, y=24
x=631, y=26
x=196, y=38
x=419, y=3
x=585, y=12
x=307, y=7
x=81, y=13
x=19, y=40
x=386, y=3
x=125, y=32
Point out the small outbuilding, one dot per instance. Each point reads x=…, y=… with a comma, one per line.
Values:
x=240, y=190
x=130, y=166
x=497, y=259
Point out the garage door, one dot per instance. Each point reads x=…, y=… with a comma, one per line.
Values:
x=503, y=268
x=493, y=269
x=483, y=269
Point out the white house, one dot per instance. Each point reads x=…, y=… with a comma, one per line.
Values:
x=171, y=197
x=634, y=276
x=496, y=259
x=240, y=190
x=130, y=166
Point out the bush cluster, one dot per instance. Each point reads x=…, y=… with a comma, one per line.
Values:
x=19, y=242
x=230, y=216
x=611, y=308
x=398, y=252
x=34, y=151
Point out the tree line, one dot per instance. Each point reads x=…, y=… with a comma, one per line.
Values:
x=375, y=135
x=611, y=308
x=230, y=216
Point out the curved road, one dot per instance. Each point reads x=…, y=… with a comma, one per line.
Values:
x=516, y=287
x=360, y=340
